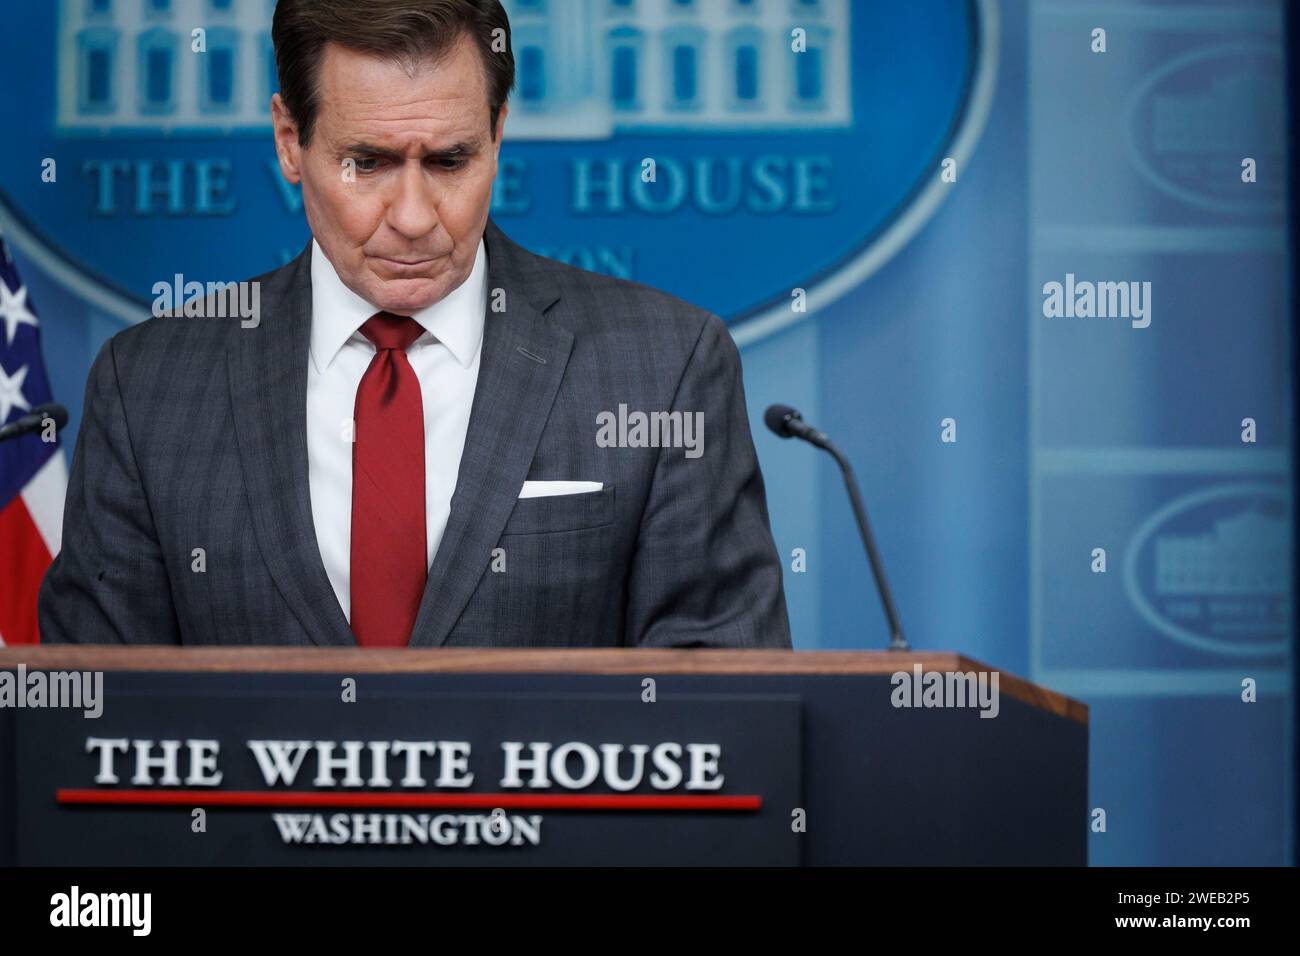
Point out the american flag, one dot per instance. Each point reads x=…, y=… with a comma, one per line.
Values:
x=33, y=474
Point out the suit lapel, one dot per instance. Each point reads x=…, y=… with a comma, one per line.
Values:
x=522, y=362
x=268, y=389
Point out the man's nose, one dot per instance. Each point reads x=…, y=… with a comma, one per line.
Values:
x=413, y=208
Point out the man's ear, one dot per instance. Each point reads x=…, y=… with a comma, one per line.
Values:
x=287, y=148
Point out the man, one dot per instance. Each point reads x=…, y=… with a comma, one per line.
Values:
x=402, y=450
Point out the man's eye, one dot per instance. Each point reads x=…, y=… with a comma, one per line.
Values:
x=450, y=162
x=367, y=164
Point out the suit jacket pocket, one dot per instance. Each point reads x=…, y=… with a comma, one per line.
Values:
x=590, y=509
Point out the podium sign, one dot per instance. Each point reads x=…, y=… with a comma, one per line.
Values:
x=225, y=777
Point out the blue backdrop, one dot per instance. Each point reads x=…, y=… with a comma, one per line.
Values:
x=1069, y=498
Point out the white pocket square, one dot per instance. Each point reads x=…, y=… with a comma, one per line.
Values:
x=548, y=489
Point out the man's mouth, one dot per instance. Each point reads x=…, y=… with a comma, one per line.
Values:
x=405, y=263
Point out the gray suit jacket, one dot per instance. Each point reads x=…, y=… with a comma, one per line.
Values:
x=194, y=436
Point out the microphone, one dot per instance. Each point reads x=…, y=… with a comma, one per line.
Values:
x=35, y=420
x=786, y=422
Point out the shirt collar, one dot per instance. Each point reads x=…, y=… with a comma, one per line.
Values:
x=337, y=313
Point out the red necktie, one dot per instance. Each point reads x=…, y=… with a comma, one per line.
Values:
x=388, y=560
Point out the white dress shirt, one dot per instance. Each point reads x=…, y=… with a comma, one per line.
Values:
x=445, y=358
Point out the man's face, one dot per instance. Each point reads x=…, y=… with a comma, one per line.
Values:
x=402, y=220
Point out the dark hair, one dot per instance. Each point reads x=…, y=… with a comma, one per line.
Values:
x=408, y=30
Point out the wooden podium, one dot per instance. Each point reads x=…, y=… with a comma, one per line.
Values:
x=276, y=755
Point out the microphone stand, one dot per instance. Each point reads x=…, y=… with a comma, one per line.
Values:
x=897, y=642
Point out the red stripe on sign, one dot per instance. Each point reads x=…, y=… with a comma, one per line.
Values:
x=489, y=801
x=26, y=560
